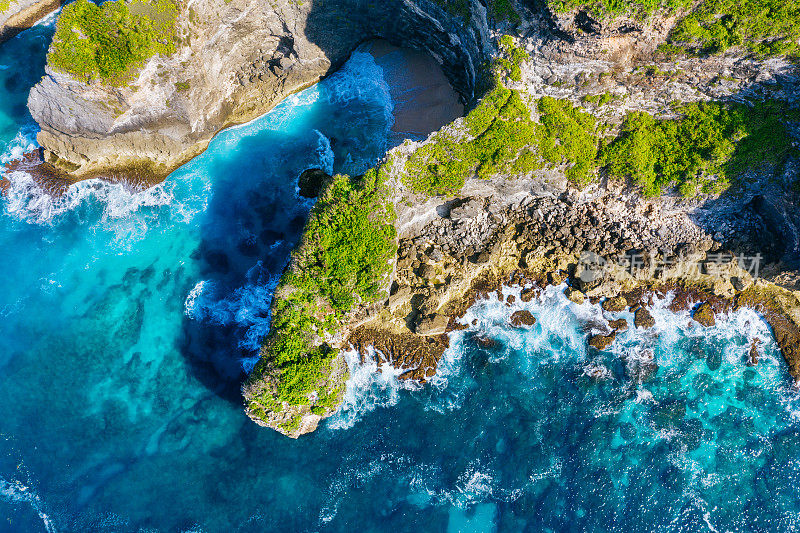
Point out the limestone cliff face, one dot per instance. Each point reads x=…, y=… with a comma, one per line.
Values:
x=235, y=61
x=22, y=14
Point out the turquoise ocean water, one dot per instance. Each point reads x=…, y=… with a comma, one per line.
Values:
x=127, y=318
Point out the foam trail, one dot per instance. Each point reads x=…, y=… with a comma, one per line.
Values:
x=248, y=308
x=370, y=386
x=16, y=492
x=325, y=153
x=27, y=201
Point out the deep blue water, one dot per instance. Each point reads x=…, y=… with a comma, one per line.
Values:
x=126, y=319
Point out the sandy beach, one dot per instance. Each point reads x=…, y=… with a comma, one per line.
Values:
x=423, y=99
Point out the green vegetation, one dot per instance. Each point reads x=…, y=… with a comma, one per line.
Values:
x=600, y=99
x=766, y=27
x=500, y=136
x=109, y=41
x=511, y=58
x=604, y=9
x=182, y=86
x=703, y=150
x=343, y=260
x=4, y=5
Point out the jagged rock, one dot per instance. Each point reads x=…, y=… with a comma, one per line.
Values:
x=614, y=305
x=754, y=353
x=522, y=318
x=643, y=318
x=557, y=277
x=704, y=315
x=619, y=325
x=467, y=210
x=575, y=296
x=432, y=325
x=527, y=294
x=601, y=342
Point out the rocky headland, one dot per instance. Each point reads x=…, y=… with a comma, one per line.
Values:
x=618, y=153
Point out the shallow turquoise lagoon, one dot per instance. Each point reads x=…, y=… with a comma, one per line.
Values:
x=127, y=318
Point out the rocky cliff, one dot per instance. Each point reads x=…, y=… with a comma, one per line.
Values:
x=597, y=135
x=234, y=60
x=20, y=15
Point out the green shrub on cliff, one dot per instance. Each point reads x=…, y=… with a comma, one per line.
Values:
x=500, y=137
x=766, y=27
x=703, y=150
x=4, y=5
x=110, y=40
x=602, y=9
x=344, y=259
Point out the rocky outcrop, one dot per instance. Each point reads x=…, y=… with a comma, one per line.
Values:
x=521, y=318
x=602, y=342
x=235, y=60
x=704, y=315
x=22, y=14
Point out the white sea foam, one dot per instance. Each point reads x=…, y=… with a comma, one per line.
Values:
x=27, y=201
x=248, y=307
x=17, y=492
x=325, y=153
x=369, y=386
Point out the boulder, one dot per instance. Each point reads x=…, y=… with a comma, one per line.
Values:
x=522, y=318
x=643, y=318
x=754, y=353
x=619, y=325
x=704, y=315
x=615, y=305
x=576, y=296
x=602, y=342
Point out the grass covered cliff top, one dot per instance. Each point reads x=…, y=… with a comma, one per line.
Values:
x=703, y=150
x=108, y=42
x=344, y=259
x=764, y=27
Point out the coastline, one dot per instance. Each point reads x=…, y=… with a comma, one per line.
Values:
x=434, y=104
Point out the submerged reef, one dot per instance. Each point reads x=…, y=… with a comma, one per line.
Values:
x=597, y=132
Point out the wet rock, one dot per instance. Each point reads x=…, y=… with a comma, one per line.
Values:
x=641, y=365
x=310, y=182
x=753, y=354
x=527, y=294
x=485, y=342
x=522, y=318
x=597, y=372
x=576, y=296
x=602, y=342
x=619, y=325
x=643, y=318
x=557, y=277
x=704, y=315
x=432, y=325
x=615, y=305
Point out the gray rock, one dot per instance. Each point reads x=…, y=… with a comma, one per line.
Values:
x=432, y=325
